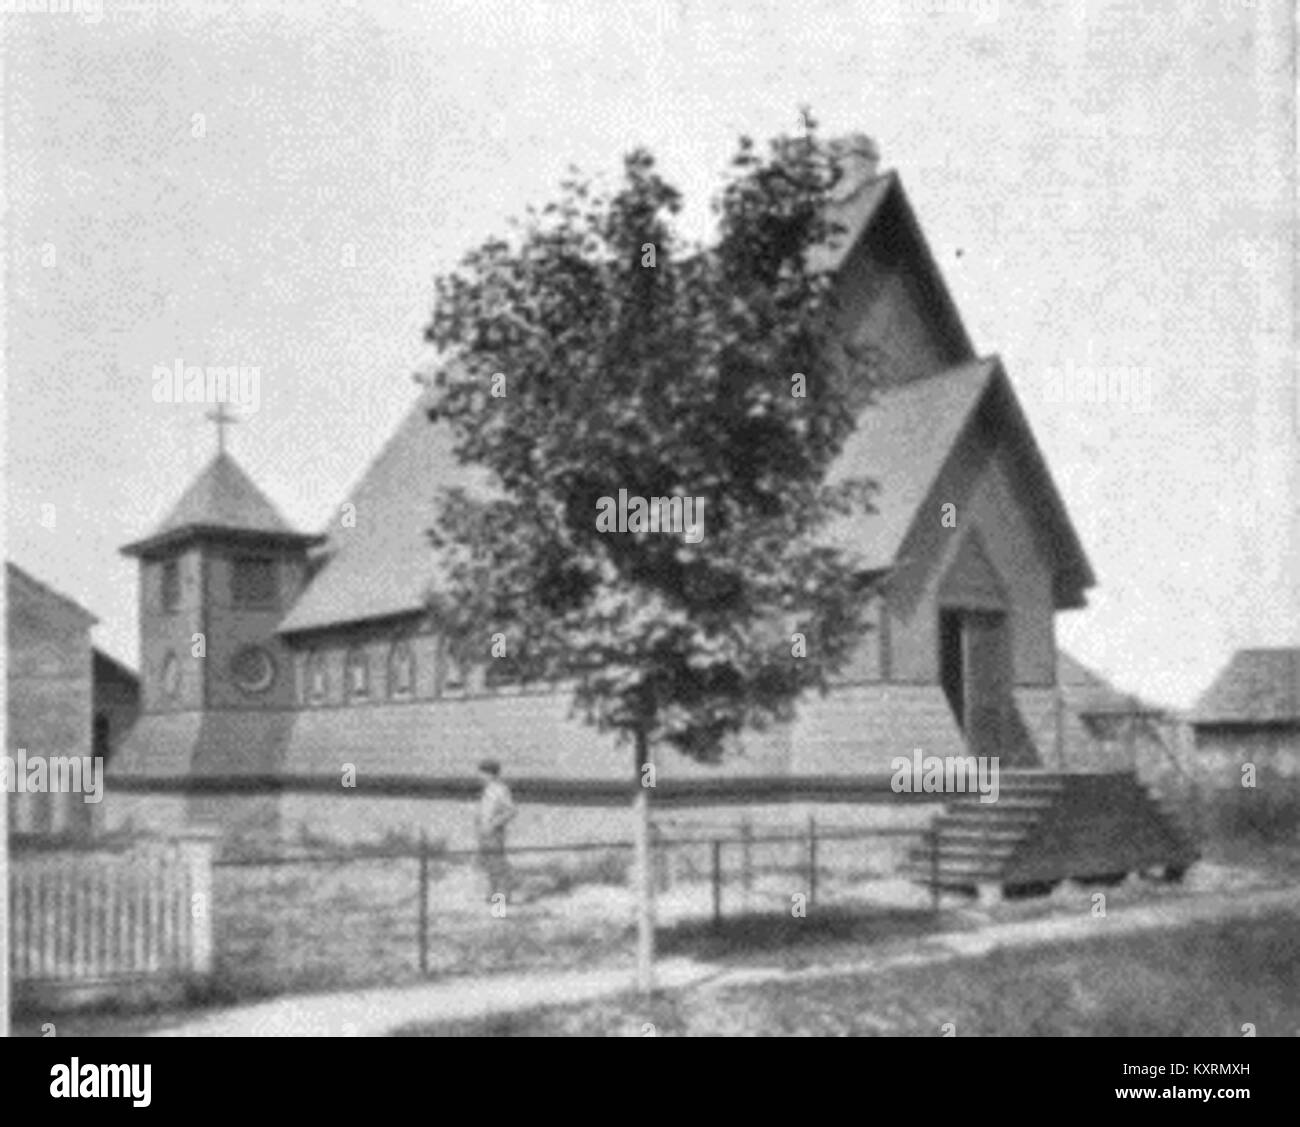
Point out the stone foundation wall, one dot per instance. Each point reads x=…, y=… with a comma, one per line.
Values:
x=267, y=822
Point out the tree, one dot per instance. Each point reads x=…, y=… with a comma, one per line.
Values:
x=594, y=352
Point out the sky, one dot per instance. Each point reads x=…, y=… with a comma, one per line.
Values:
x=1106, y=187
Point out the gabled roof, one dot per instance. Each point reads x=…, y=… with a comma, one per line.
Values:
x=901, y=443
x=854, y=213
x=1259, y=686
x=904, y=440
x=879, y=211
x=1073, y=573
x=222, y=499
x=14, y=572
x=384, y=565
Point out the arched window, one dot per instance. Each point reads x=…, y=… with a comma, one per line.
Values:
x=358, y=667
x=317, y=680
x=171, y=585
x=171, y=676
x=401, y=670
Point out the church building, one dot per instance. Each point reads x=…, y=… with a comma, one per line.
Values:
x=274, y=661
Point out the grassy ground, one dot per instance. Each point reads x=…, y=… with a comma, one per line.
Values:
x=1275, y=860
x=323, y=927
x=356, y=923
x=107, y=1022
x=1203, y=980
x=311, y=927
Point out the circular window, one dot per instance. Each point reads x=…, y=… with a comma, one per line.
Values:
x=253, y=669
x=171, y=675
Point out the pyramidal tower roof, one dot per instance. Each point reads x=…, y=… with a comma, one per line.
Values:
x=222, y=500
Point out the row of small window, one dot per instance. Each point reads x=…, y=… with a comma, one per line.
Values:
x=356, y=674
x=252, y=583
x=455, y=679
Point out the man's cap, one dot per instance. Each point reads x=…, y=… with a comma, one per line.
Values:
x=491, y=766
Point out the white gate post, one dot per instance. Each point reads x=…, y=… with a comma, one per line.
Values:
x=196, y=852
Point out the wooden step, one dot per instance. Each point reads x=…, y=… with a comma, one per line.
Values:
x=980, y=833
x=1036, y=802
x=988, y=817
x=1017, y=783
x=957, y=872
x=971, y=848
x=1046, y=827
x=993, y=850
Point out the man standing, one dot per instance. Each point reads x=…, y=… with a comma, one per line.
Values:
x=496, y=809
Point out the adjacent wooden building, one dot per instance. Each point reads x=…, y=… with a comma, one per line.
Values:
x=65, y=699
x=1251, y=715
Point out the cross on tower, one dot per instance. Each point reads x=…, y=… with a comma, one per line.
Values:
x=223, y=419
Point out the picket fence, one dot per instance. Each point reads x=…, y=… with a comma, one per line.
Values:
x=97, y=916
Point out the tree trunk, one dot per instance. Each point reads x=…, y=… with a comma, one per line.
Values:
x=4, y=912
x=645, y=906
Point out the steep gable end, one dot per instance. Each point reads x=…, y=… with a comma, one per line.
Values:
x=912, y=436
x=894, y=297
x=29, y=597
x=1072, y=573
x=971, y=580
x=901, y=442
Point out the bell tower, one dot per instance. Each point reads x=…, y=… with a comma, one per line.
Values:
x=216, y=577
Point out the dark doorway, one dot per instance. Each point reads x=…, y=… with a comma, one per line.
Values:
x=951, y=662
x=988, y=682
x=101, y=735
x=975, y=671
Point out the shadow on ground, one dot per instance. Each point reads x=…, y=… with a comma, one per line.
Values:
x=756, y=938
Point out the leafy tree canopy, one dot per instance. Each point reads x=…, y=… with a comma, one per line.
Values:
x=594, y=351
